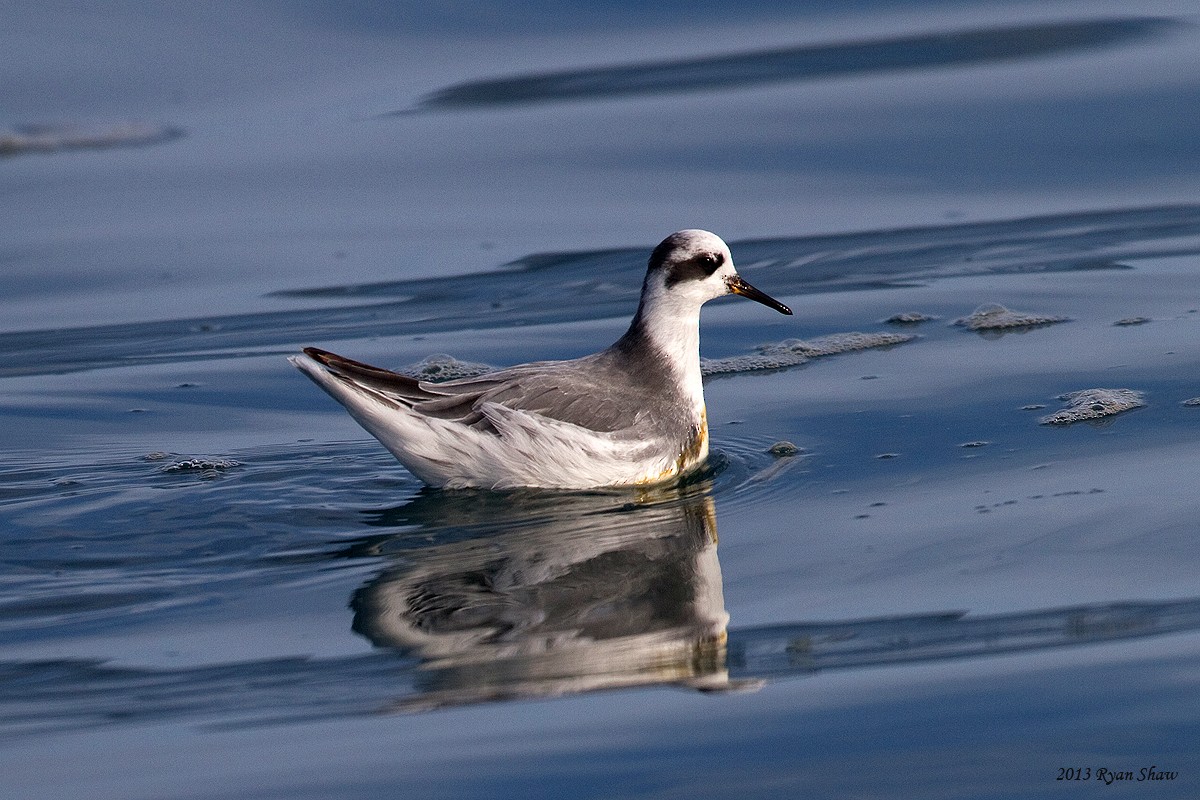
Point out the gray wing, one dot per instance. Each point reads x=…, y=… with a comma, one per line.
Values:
x=588, y=393
x=592, y=392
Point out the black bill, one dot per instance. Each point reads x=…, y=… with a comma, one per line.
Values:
x=739, y=286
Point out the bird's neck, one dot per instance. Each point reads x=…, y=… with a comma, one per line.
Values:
x=673, y=334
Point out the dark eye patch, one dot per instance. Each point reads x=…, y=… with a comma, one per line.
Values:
x=696, y=268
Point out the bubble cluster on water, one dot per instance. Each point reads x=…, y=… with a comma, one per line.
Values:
x=909, y=318
x=202, y=465
x=792, y=352
x=995, y=317
x=783, y=449
x=441, y=367
x=1088, y=404
x=747, y=363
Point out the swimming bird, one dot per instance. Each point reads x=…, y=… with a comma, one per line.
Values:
x=632, y=414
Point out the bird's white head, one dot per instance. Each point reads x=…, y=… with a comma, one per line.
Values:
x=688, y=269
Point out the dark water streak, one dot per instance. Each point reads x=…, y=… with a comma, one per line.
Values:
x=575, y=286
x=802, y=63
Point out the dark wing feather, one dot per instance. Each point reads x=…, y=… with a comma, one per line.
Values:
x=401, y=387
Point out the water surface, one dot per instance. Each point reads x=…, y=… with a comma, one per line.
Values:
x=214, y=584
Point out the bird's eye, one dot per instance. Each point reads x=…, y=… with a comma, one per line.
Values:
x=711, y=262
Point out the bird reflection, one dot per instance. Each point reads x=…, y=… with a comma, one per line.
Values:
x=556, y=593
x=518, y=595
x=526, y=595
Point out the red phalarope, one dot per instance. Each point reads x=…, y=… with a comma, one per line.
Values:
x=632, y=414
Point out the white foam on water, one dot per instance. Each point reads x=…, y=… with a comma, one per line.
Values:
x=1089, y=404
x=909, y=318
x=792, y=352
x=995, y=317
x=441, y=367
x=202, y=465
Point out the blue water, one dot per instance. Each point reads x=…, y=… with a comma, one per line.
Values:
x=213, y=584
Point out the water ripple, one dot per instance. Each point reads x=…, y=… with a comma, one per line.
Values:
x=800, y=63
x=603, y=284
